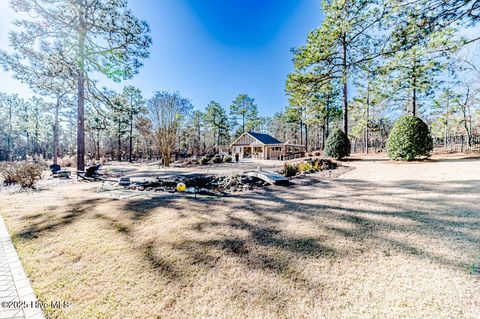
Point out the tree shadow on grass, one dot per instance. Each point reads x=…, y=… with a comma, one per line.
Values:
x=257, y=244
x=438, y=212
x=436, y=216
x=251, y=227
x=50, y=221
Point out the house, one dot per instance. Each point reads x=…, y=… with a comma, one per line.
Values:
x=264, y=146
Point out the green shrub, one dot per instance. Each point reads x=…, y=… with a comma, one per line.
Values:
x=337, y=145
x=204, y=160
x=227, y=159
x=22, y=173
x=217, y=159
x=289, y=170
x=409, y=138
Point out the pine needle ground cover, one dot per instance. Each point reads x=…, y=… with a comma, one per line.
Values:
x=383, y=240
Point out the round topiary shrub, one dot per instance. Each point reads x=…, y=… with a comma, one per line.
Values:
x=409, y=138
x=337, y=145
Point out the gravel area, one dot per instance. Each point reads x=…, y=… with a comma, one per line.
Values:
x=146, y=170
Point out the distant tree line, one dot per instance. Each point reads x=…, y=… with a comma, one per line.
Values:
x=123, y=126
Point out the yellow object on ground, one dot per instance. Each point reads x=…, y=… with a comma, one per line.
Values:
x=181, y=187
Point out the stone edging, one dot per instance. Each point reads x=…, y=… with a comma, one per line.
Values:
x=16, y=286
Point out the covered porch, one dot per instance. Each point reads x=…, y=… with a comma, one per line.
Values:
x=263, y=146
x=270, y=152
x=249, y=151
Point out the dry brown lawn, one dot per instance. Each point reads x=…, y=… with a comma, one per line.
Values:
x=385, y=240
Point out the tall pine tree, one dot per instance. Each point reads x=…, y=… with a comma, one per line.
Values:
x=84, y=36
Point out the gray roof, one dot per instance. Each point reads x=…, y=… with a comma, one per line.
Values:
x=265, y=138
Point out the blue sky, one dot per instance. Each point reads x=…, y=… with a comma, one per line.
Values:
x=212, y=49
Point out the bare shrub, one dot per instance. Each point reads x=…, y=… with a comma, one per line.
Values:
x=167, y=112
x=7, y=173
x=22, y=173
x=67, y=161
x=29, y=174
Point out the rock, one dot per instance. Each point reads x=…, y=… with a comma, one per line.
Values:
x=190, y=190
x=124, y=181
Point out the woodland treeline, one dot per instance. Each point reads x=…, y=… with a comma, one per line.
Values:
x=367, y=63
x=126, y=127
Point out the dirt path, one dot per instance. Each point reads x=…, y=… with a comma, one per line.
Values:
x=385, y=240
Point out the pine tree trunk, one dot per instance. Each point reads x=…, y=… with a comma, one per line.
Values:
x=306, y=138
x=446, y=120
x=327, y=117
x=199, y=141
x=81, y=124
x=301, y=131
x=345, y=86
x=36, y=148
x=25, y=153
x=130, y=149
x=55, y=132
x=243, y=123
x=414, y=95
x=81, y=91
x=414, y=98
x=98, y=147
x=367, y=118
x=119, y=143
x=324, y=135
x=9, y=138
